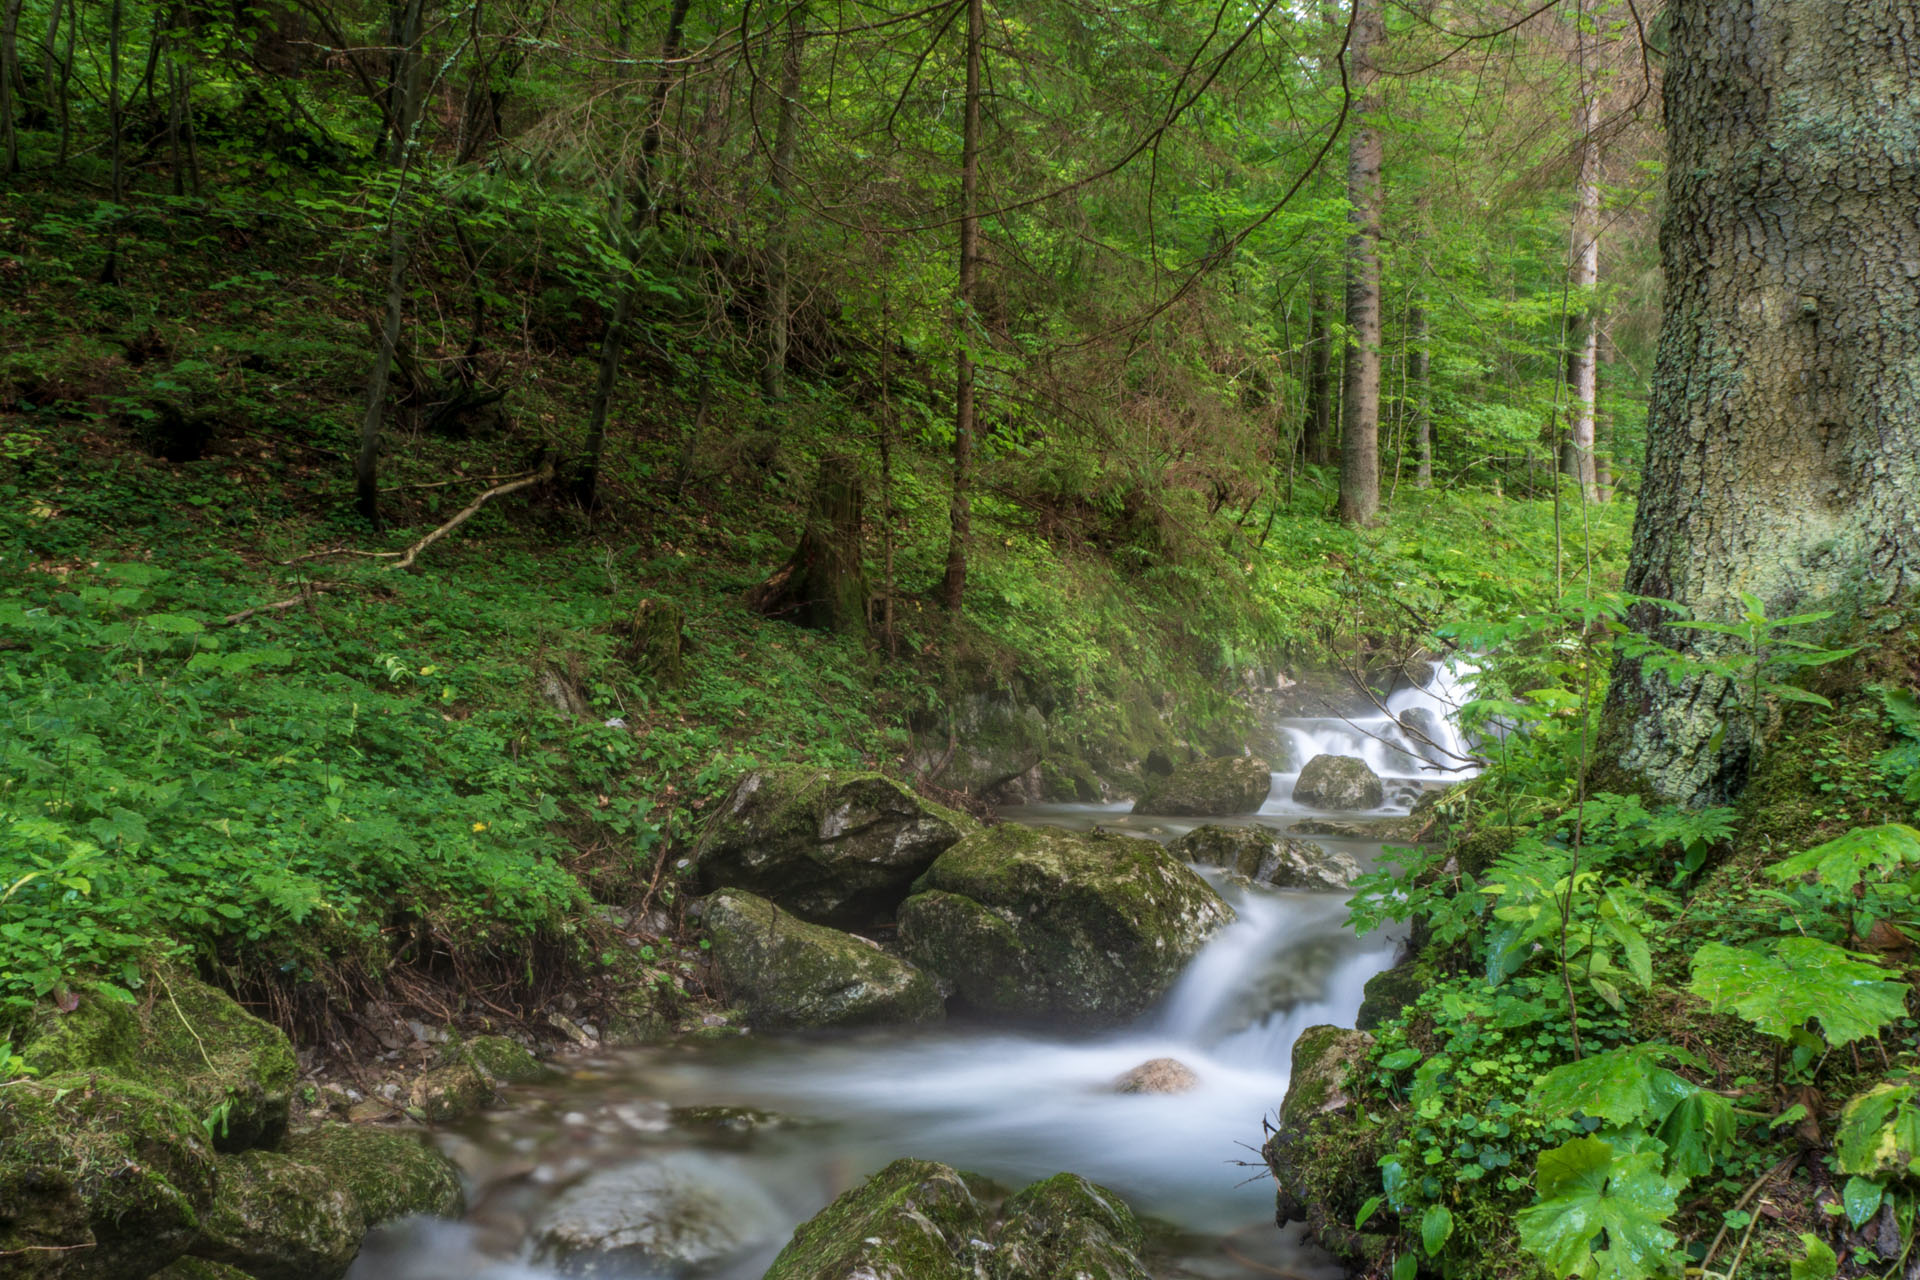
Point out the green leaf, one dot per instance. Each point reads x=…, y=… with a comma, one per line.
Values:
x=1861, y=1198
x=1620, y=1086
x=1587, y=1194
x=1698, y=1133
x=1879, y=1131
x=1858, y=855
x=1800, y=978
x=1401, y=1059
x=1436, y=1228
x=1406, y=1266
x=1367, y=1211
x=174, y=623
x=1819, y=1264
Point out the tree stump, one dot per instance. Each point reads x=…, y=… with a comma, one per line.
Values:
x=823, y=584
x=653, y=639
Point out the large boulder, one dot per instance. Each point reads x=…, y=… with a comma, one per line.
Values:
x=998, y=745
x=1324, y=1155
x=832, y=847
x=1085, y=929
x=278, y=1218
x=1068, y=1227
x=389, y=1173
x=1263, y=855
x=1338, y=782
x=791, y=974
x=1221, y=788
x=189, y=1040
x=681, y=1212
x=100, y=1178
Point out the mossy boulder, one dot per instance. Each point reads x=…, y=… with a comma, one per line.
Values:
x=1325, y=1154
x=389, y=1173
x=501, y=1060
x=791, y=974
x=998, y=744
x=832, y=847
x=681, y=1212
x=913, y=1220
x=1485, y=846
x=100, y=1178
x=199, y=1269
x=1263, y=855
x=1388, y=992
x=1340, y=783
x=1086, y=929
x=279, y=1218
x=449, y=1092
x=1068, y=1227
x=1222, y=788
x=187, y=1039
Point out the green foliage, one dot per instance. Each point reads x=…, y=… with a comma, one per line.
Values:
x=1600, y=1212
x=1796, y=980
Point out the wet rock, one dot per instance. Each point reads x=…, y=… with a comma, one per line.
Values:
x=832, y=847
x=449, y=1093
x=730, y=1120
x=199, y=1269
x=389, y=1174
x=1338, y=782
x=1086, y=929
x=501, y=1060
x=1219, y=788
x=1264, y=856
x=792, y=974
x=679, y=1213
x=1325, y=1154
x=914, y=1220
x=1068, y=1227
x=100, y=1178
x=1324, y=1058
x=1387, y=993
x=191, y=1041
x=1158, y=1075
x=278, y=1218
x=998, y=744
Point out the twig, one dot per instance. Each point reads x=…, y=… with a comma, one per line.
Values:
x=467, y=513
x=308, y=590
x=1740, y=1204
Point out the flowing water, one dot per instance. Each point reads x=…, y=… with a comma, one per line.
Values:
x=1015, y=1106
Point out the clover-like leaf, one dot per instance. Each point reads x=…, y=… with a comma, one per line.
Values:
x=1798, y=979
x=1599, y=1213
x=1860, y=854
x=1620, y=1086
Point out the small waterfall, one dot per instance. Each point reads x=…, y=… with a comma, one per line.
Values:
x=1414, y=741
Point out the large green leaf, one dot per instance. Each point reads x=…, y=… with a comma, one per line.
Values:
x=1620, y=1086
x=1599, y=1213
x=1879, y=1132
x=1858, y=855
x=1798, y=979
x=1698, y=1133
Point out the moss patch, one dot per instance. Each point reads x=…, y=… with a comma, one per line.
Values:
x=914, y=1220
x=278, y=1218
x=390, y=1174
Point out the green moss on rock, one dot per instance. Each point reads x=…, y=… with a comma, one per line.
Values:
x=1325, y=1154
x=795, y=975
x=1067, y=1226
x=199, y=1269
x=914, y=1220
x=390, y=1174
x=1220, y=788
x=1390, y=991
x=1338, y=782
x=187, y=1039
x=99, y=1177
x=278, y=1218
x=1089, y=929
x=448, y=1093
x=499, y=1059
x=832, y=847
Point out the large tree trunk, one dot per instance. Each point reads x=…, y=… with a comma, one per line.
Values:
x=773, y=375
x=1783, y=432
x=1583, y=328
x=824, y=583
x=1360, y=415
x=9, y=72
x=1317, y=444
x=953, y=586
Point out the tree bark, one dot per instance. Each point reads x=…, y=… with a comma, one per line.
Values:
x=1421, y=358
x=1360, y=421
x=1583, y=329
x=953, y=586
x=773, y=375
x=824, y=583
x=9, y=73
x=1783, y=432
x=114, y=24
x=1316, y=443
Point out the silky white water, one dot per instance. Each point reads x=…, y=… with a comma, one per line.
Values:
x=1014, y=1106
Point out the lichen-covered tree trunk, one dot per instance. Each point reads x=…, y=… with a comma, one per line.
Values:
x=1360, y=424
x=1783, y=433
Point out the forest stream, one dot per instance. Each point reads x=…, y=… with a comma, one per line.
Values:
x=778, y=1127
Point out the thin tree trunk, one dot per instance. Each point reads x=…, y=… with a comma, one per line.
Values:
x=1422, y=360
x=773, y=375
x=1602, y=427
x=1318, y=432
x=9, y=72
x=66, y=80
x=644, y=212
x=1360, y=427
x=114, y=22
x=1583, y=331
x=959, y=510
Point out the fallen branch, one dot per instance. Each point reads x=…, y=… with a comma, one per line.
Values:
x=308, y=590
x=468, y=512
x=442, y=484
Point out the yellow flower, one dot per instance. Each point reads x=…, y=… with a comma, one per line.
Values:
x=479, y=827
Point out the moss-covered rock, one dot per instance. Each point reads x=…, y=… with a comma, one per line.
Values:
x=187, y=1039
x=1483, y=847
x=501, y=1060
x=100, y=1178
x=791, y=974
x=448, y=1093
x=1263, y=855
x=1068, y=1227
x=1088, y=929
x=832, y=847
x=278, y=1218
x=914, y=1220
x=681, y=1212
x=1340, y=783
x=390, y=1174
x=1390, y=991
x=1220, y=788
x=1324, y=1155
x=199, y=1269
x=998, y=744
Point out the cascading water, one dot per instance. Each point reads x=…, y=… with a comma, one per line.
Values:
x=1014, y=1107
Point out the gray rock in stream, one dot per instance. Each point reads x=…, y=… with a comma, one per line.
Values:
x=682, y=1213
x=1339, y=783
x=1221, y=788
x=1263, y=855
